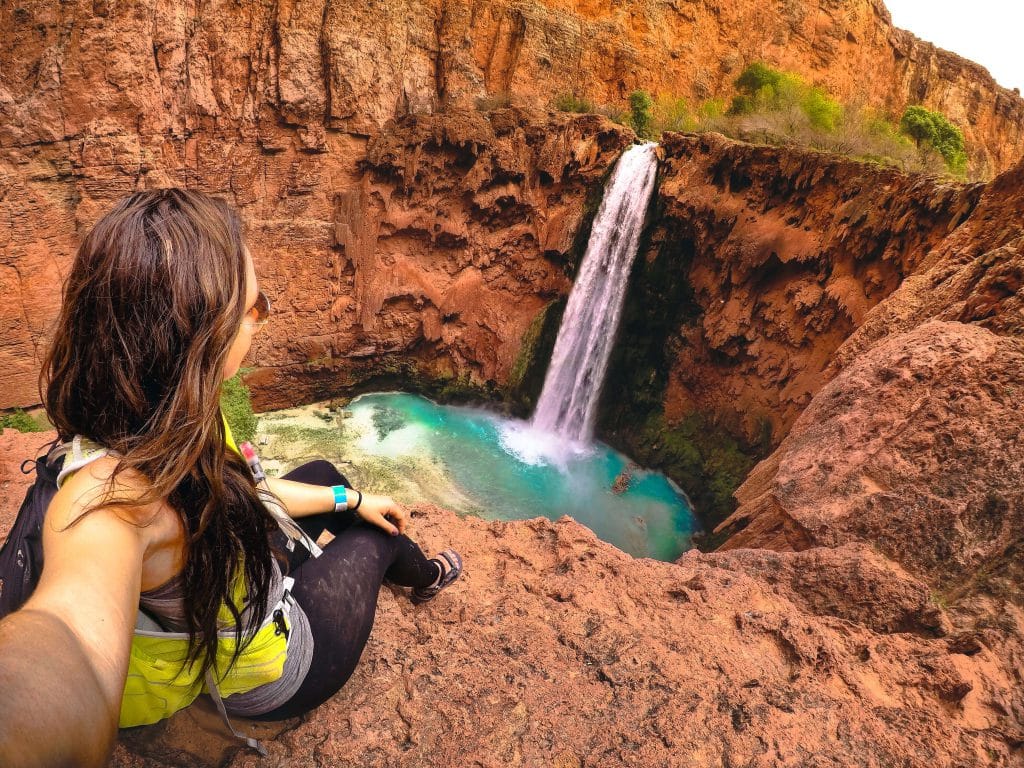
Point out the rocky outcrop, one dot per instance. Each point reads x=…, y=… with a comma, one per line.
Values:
x=556, y=648
x=944, y=394
x=759, y=263
x=912, y=449
x=974, y=276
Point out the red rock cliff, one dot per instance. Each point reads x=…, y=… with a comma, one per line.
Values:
x=274, y=107
x=788, y=252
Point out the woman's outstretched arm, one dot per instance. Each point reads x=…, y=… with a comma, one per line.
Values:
x=64, y=655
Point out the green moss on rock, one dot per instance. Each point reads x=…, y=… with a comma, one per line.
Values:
x=531, y=366
x=23, y=422
x=237, y=407
x=706, y=460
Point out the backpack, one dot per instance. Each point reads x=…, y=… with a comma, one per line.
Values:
x=21, y=556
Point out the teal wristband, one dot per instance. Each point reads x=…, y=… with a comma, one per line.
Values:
x=340, y=498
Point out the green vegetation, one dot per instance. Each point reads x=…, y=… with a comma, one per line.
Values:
x=528, y=348
x=776, y=107
x=570, y=102
x=696, y=448
x=772, y=106
x=538, y=344
x=458, y=389
x=670, y=113
x=21, y=421
x=933, y=129
x=763, y=89
x=302, y=441
x=640, y=118
x=237, y=408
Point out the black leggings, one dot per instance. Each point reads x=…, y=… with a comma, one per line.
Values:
x=338, y=590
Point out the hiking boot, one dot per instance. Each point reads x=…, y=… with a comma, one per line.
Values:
x=451, y=568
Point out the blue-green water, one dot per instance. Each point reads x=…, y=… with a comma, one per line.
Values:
x=507, y=471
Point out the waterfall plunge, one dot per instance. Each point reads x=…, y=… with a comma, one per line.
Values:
x=572, y=386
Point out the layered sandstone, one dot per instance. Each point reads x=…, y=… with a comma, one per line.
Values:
x=330, y=70
x=697, y=48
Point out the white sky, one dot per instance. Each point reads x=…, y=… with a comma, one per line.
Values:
x=985, y=31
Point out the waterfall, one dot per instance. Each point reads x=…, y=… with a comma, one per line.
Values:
x=572, y=386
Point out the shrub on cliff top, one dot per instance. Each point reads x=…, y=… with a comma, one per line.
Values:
x=763, y=89
x=21, y=421
x=570, y=102
x=777, y=107
x=757, y=78
x=933, y=129
x=640, y=104
x=237, y=408
x=672, y=114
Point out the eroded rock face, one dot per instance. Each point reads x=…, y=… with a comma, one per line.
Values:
x=454, y=240
x=973, y=276
x=913, y=449
x=914, y=441
x=696, y=49
x=426, y=252
x=785, y=253
x=324, y=68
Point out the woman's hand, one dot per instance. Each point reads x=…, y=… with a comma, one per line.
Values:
x=378, y=509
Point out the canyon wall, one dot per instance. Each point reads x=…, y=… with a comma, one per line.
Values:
x=324, y=68
x=866, y=604
x=913, y=448
x=281, y=107
x=784, y=255
x=459, y=233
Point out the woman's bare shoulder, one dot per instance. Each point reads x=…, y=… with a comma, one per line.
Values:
x=96, y=483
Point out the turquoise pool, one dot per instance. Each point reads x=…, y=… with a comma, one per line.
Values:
x=505, y=470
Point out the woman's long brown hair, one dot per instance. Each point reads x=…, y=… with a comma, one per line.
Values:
x=151, y=307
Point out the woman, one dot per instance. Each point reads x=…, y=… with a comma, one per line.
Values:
x=160, y=307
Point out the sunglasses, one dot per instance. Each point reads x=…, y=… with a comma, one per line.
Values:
x=259, y=312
